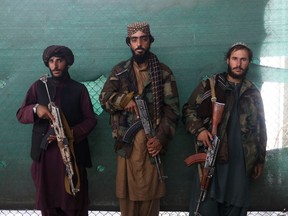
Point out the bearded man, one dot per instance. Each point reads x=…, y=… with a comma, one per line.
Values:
x=242, y=133
x=48, y=169
x=138, y=186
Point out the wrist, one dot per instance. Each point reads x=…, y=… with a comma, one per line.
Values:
x=35, y=108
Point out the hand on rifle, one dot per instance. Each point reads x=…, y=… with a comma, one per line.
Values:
x=132, y=107
x=51, y=138
x=205, y=137
x=153, y=146
x=44, y=113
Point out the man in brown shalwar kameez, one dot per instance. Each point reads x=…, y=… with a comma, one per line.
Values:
x=138, y=187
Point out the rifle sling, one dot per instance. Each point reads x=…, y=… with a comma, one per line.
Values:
x=69, y=135
x=213, y=94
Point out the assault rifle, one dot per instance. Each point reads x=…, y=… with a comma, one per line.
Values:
x=63, y=142
x=211, y=155
x=208, y=172
x=145, y=123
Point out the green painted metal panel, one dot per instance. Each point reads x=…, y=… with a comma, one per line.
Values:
x=190, y=36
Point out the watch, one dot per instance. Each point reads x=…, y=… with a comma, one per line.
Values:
x=35, y=108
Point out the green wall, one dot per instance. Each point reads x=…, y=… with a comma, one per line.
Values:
x=191, y=37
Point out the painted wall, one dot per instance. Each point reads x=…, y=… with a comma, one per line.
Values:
x=191, y=37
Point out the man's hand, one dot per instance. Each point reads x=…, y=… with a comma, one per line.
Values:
x=51, y=138
x=153, y=146
x=205, y=137
x=132, y=107
x=44, y=113
x=258, y=169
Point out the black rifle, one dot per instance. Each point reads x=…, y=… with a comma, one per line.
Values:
x=145, y=123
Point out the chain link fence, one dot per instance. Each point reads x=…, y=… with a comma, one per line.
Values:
x=104, y=213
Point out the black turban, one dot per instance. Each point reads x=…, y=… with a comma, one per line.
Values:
x=58, y=51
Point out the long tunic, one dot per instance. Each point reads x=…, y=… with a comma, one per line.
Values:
x=48, y=173
x=230, y=183
x=137, y=179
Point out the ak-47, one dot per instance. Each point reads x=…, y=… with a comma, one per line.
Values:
x=63, y=143
x=211, y=155
x=145, y=123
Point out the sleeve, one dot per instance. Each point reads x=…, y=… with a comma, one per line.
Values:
x=25, y=113
x=262, y=138
x=111, y=98
x=193, y=123
x=171, y=114
x=82, y=130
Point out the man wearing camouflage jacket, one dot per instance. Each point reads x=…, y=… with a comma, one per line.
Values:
x=242, y=134
x=138, y=187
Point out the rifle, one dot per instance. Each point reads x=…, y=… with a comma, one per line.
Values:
x=63, y=143
x=145, y=123
x=211, y=155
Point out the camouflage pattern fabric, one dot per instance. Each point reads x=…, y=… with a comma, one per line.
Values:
x=252, y=118
x=120, y=83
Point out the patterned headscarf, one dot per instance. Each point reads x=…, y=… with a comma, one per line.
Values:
x=59, y=51
x=138, y=26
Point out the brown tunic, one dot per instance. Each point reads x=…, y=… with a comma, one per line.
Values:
x=137, y=178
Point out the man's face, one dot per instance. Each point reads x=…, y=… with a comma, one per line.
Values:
x=238, y=65
x=57, y=66
x=139, y=44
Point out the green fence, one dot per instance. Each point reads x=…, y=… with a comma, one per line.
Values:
x=191, y=37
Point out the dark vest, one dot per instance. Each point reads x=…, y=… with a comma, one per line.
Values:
x=70, y=105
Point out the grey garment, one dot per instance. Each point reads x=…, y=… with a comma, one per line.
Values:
x=229, y=190
x=230, y=184
x=210, y=207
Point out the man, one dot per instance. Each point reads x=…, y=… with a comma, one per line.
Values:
x=242, y=133
x=138, y=187
x=48, y=169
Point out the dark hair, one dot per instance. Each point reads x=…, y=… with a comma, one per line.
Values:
x=239, y=47
x=151, y=38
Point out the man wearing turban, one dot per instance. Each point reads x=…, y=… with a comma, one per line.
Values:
x=138, y=186
x=48, y=170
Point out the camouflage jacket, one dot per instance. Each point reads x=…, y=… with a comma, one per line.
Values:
x=197, y=117
x=119, y=84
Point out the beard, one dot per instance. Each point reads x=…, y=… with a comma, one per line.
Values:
x=237, y=76
x=61, y=76
x=139, y=59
